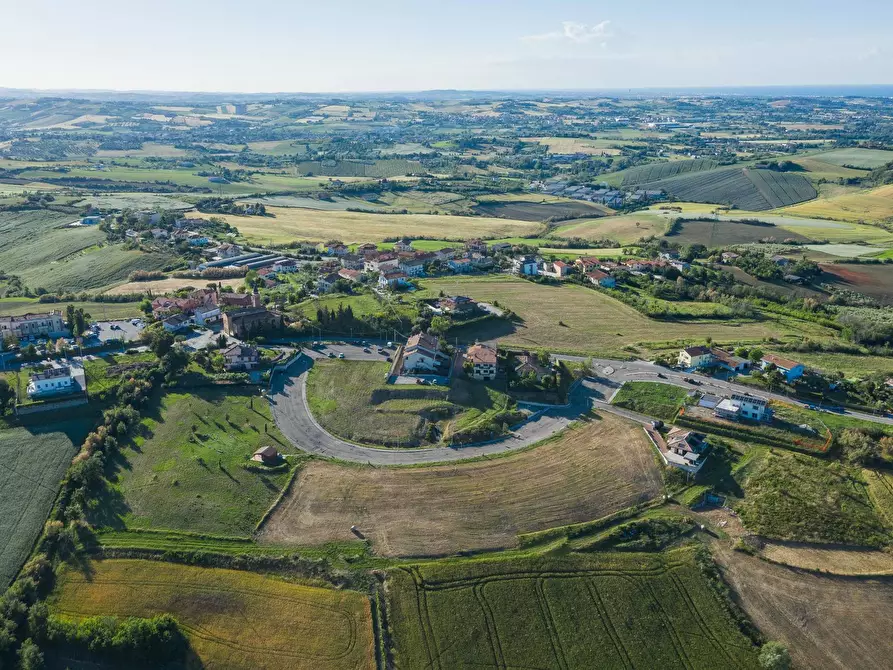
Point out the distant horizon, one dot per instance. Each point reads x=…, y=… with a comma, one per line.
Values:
x=842, y=90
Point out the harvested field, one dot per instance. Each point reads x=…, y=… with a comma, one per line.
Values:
x=592, y=321
x=32, y=463
x=713, y=234
x=829, y=558
x=587, y=472
x=644, y=174
x=875, y=281
x=534, y=211
x=742, y=188
x=580, y=145
x=601, y=610
x=234, y=619
x=625, y=229
x=826, y=622
x=290, y=224
x=869, y=205
x=159, y=286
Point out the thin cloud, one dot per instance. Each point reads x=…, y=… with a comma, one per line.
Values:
x=572, y=31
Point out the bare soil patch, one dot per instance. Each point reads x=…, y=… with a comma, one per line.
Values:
x=827, y=622
x=589, y=472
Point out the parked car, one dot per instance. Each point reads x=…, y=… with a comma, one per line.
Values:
x=341, y=355
x=366, y=350
x=661, y=375
x=331, y=355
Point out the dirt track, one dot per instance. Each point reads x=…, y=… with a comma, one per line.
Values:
x=585, y=474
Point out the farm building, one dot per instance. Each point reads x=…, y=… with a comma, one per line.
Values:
x=267, y=455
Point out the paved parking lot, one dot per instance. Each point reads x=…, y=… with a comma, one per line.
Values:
x=352, y=351
x=124, y=330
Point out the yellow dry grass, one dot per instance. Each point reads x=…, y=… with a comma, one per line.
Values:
x=586, y=473
x=574, y=318
x=234, y=619
x=292, y=223
x=160, y=286
x=870, y=205
x=835, y=560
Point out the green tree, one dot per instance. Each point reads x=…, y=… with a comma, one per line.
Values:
x=30, y=656
x=439, y=325
x=755, y=355
x=774, y=656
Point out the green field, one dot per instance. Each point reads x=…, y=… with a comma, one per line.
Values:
x=574, y=318
x=866, y=159
x=362, y=305
x=233, y=618
x=185, y=471
x=32, y=463
x=661, y=401
x=601, y=610
x=36, y=246
x=799, y=497
x=351, y=399
x=851, y=365
x=348, y=168
x=98, y=310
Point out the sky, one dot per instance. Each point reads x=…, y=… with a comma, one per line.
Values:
x=394, y=45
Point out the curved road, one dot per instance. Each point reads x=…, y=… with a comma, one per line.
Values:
x=292, y=414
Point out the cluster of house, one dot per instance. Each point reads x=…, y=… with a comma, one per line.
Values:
x=206, y=306
x=701, y=357
x=603, y=193
x=595, y=271
x=31, y=326
x=398, y=266
x=183, y=230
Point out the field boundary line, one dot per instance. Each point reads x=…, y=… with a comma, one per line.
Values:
x=605, y=617
x=549, y=622
x=492, y=631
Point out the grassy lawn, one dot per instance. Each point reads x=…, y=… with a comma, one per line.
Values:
x=233, y=618
x=799, y=497
x=575, y=318
x=661, y=401
x=363, y=305
x=98, y=310
x=293, y=223
x=594, y=469
x=350, y=399
x=32, y=463
x=850, y=365
x=600, y=610
x=185, y=471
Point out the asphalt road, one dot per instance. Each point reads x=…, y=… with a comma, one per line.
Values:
x=288, y=401
x=293, y=416
x=632, y=371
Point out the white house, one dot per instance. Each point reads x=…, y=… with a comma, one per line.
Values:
x=392, y=279
x=791, y=370
x=525, y=265
x=54, y=380
x=414, y=267
x=602, y=279
x=483, y=360
x=403, y=245
x=558, y=270
x=175, y=323
x=206, y=314
x=695, y=357
x=422, y=354
x=745, y=406
x=240, y=357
